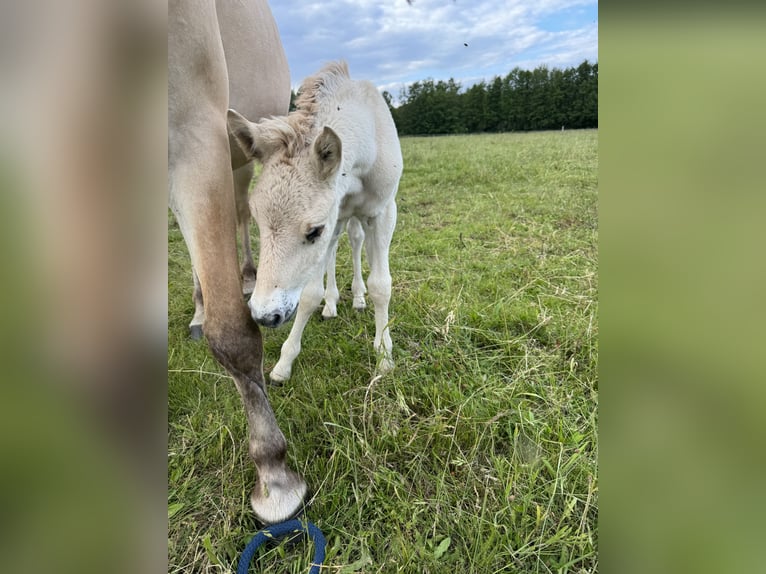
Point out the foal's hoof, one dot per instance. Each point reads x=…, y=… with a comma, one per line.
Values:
x=277, y=500
x=359, y=304
x=386, y=365
x=278, y=375
x=195, y=332
x=329, y=312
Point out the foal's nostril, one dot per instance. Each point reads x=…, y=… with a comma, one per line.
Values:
x=273, y=320
x=267, y=319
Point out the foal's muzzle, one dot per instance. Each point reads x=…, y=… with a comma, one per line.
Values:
x=273, y=319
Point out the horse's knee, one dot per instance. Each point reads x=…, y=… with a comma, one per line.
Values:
x=243, y=213
x=237, y=345
x=355, y=232
x=312, y=295
x=331, y=298
x=379, y=287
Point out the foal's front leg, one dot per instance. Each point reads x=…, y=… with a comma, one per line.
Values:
x=310, y=300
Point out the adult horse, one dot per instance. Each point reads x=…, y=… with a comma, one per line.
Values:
x=201, y=188
x=336, y=159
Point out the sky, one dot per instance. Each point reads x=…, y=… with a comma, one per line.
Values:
x=392, y=43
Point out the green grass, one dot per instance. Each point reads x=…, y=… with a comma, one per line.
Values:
x=479, y=452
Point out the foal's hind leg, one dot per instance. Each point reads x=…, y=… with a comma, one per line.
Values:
x=310, y=300
x=356, y=238
x=331, y=294
x=242, y=178
x=379, y=233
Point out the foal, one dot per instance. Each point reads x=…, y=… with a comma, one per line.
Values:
x=335, y=158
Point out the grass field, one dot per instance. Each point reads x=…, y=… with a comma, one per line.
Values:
x=479, y=452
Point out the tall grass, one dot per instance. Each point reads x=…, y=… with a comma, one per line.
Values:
x=479, y=452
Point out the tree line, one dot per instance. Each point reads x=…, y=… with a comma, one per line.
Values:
x=523, y=100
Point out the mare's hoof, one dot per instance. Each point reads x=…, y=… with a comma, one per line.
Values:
x=195, y=332
x=279, y=499
x=247, y=288
x=248, y=281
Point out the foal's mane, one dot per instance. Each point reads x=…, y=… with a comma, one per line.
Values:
x=294, y=131
x=316, y=87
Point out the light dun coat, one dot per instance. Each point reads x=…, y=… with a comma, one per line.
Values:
x=335, y=158
x=259, y=87
x=202, y=198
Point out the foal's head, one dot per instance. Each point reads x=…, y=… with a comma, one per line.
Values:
x=294, y=205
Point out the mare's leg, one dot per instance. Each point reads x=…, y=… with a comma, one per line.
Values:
x=202, y=198
x=242, y=178
x=310, y=300
x=195, y=327
x=356, y=238
x=380, y=230
x=233, y=336
x=331, y=294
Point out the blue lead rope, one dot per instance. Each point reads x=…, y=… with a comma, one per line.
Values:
x=293, y=526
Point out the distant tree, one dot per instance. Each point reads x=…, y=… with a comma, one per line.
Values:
x=475, y=108
x=523, y=100
x=443, y=110
x=494, y=105
x=389, y=99
x=540, y=115
x=557, y=98
x=590, y=97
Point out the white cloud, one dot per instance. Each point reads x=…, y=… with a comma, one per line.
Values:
x=391, y=42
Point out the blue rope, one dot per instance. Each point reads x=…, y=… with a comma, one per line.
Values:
x=293, y=526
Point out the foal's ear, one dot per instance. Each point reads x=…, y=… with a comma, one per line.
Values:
x=245, y=133
x=326, y=154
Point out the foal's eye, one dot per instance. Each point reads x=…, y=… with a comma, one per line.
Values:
x=314, y=233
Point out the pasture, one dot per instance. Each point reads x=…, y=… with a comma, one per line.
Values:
x=478, y=453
